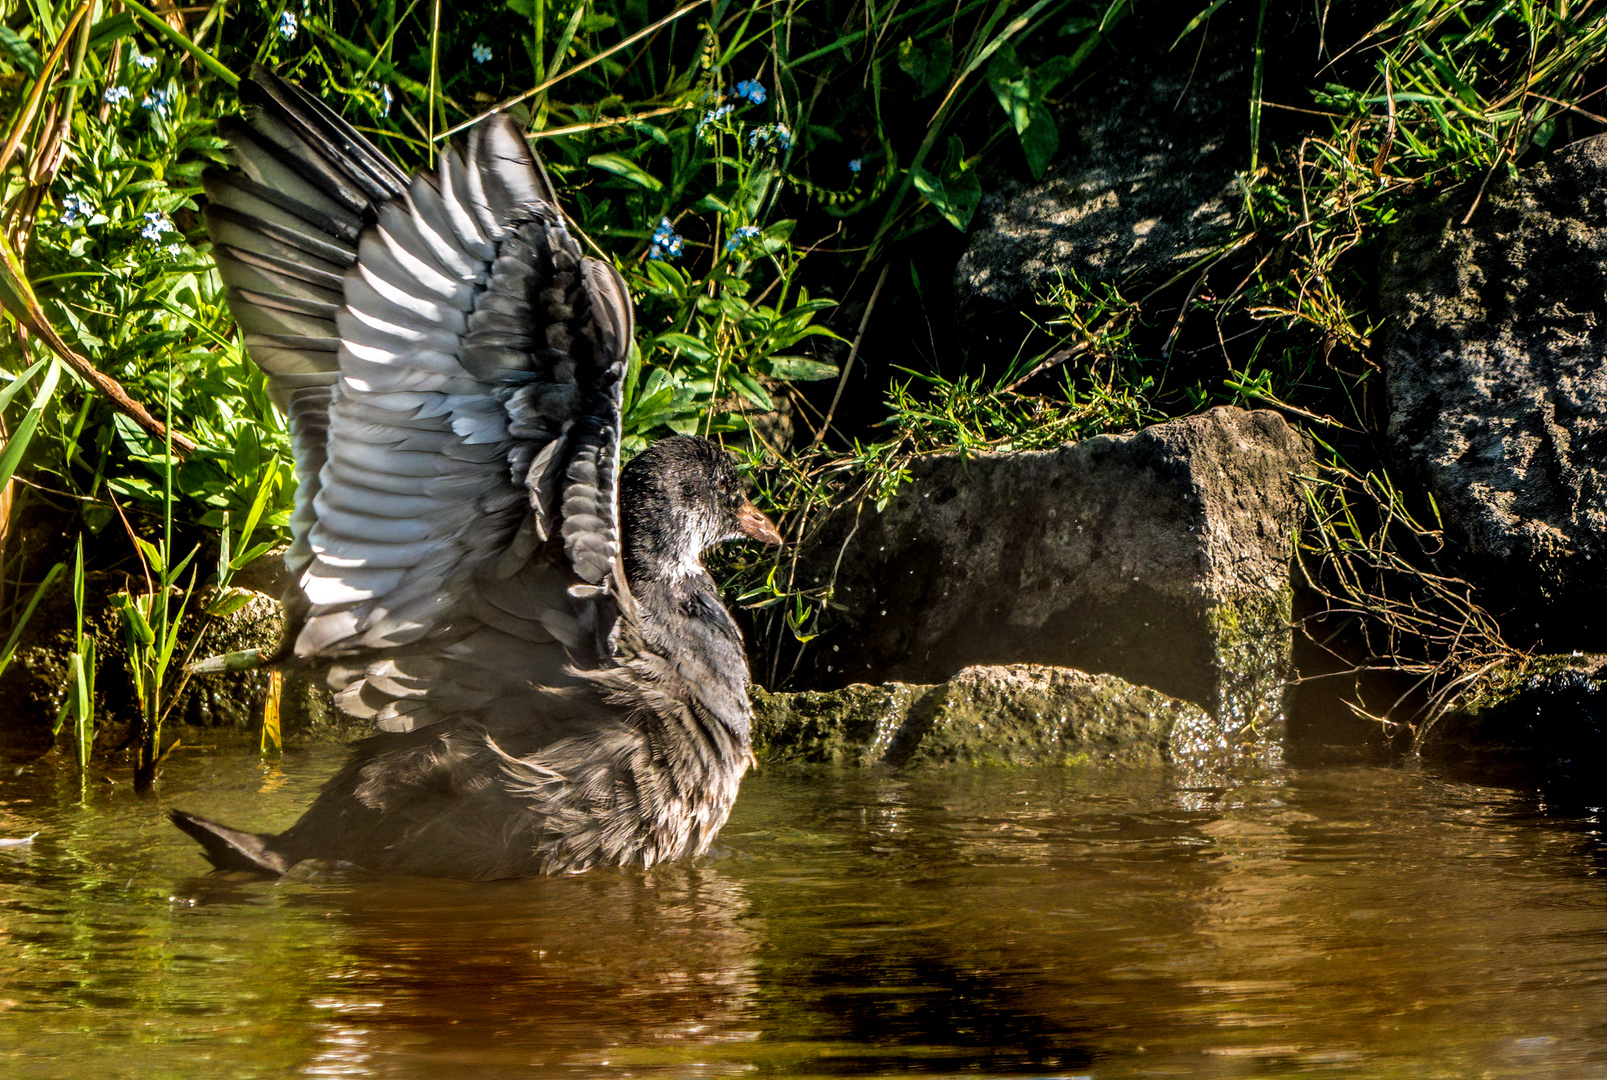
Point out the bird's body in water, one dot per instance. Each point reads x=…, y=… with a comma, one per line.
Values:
x=555, y=681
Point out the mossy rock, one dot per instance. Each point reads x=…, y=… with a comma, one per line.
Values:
x=1021, y=714
x=1544, y=710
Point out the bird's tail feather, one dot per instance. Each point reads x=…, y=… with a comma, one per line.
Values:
x=231, y=849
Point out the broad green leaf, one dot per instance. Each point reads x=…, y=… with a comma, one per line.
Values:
x=18, y=51
x=753, y=390
x=111, y=28
x=928, y=66
x=627, y=169
x=227, y=602
x=800, y=369
x=956, y=194
x=1040, y=141
x=152, y=553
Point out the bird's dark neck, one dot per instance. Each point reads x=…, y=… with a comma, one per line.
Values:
x=684, y=603
x=680, y=616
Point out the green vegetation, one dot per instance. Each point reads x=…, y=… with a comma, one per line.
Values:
x=785, y=187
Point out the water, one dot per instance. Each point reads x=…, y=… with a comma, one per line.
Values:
x=1360, y=921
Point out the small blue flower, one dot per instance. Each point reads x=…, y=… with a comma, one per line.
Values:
x=144, y=63
x=776, y=135
x=743, y=237
x=750, y=89
x=481, y=52
x=287, y=25
x=855, y=165
x=713, y=117
x=75, y=209
x=115, y=94
x=666, y=243
x=159, y=102
x=156, y=224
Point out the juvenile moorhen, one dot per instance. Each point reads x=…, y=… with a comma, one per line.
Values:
x=555, y=682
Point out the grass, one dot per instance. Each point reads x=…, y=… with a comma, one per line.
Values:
x=785, y=186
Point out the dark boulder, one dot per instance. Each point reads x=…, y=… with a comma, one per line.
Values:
x=1496, y=358
x=1162, y=557
x=1147, y=189
x=1544, y=712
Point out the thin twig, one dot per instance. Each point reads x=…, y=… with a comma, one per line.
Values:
x=853, y=353
x=1389, y=131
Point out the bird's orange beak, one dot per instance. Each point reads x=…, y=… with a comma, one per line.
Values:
x=756, y=525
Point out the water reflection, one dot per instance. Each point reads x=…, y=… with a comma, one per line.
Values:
x=562, y=972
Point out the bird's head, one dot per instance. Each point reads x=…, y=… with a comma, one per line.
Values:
x=678, y=498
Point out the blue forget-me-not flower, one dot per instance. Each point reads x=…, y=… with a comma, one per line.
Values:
x=76, y=209
x=159, y=102
x=144, y=63
x=481, y=52
x=743, y=237
x=287, y=25
x=666, y=243
x=712, y=117
x=776, y=135
x=155, y=225
x=751, y=90
x=116, y=94
x=855, y=165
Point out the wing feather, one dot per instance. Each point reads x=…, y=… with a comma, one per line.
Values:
x=452, y=367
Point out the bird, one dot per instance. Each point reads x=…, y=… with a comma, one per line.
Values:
x=554, y=682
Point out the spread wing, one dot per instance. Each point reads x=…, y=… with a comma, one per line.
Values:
x=451, y=366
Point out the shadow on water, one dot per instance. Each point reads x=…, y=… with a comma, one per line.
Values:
x=1350, y=921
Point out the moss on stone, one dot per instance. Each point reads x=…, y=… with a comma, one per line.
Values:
x=1026, y=714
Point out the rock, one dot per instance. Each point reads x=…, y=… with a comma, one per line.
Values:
x=1016, y=715
x=1147, y=189
x=1547, y=711
x=1496, y=358
x=1162, y=557
x=236, y=699
x=850, y=726
x=37, y=680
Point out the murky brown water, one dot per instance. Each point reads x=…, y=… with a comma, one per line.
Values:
x=1357, y=921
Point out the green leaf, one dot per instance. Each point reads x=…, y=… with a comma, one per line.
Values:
x=753, y=390
x=956, y=194
x=111, y=28
x=23, y=435
x=1012, y=85
x=152, y=553
x=227, y=602
x=1020, y=91
x=929, y=66
x=17, y=383
x=138, y=626
x=800, y=369
x=627, y=169
x=18, y=51
x=250, y=555
x=686, y=343
x=1040, y=142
